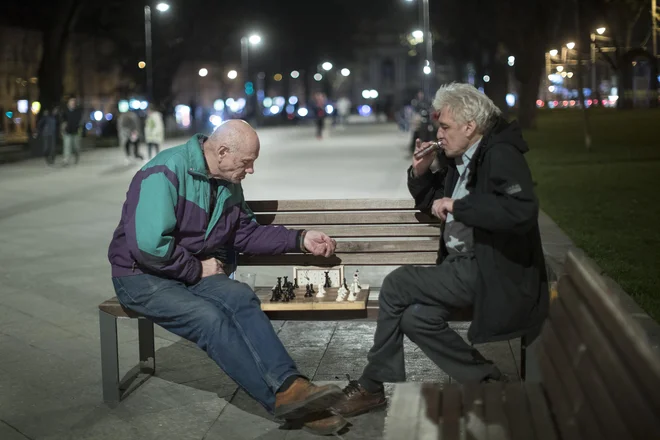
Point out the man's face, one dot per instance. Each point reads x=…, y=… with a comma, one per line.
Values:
x=455, y=138
x=235, y=166
x=71, y=104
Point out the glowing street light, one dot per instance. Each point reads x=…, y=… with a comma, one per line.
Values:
x=511, y=61
x=254, y=39
x=345, y=72
x=163, y=7
x=232, y=74
x=295, y=74
x=427, y=70
x=203, y=72
x=418, y=35
x=601, y=30
x=570, y=45
x=326, y=66
x=560, y=68
x=318, y=77
x=553, y=52
x=160, y=7
x=142, y=64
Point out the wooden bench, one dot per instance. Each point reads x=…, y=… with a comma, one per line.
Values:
x=600, y=379
x=369, y=232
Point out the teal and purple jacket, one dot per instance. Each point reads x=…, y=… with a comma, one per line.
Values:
x=166, y=226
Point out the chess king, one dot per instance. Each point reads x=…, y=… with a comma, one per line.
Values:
x=490, y=252
x=181, y=208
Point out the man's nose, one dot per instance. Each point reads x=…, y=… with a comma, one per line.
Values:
x=250, y=170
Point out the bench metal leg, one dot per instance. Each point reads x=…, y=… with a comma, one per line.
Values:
x=523, y=358
x=109, y=358
x=147, y=346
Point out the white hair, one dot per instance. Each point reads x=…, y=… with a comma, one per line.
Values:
x=466, y=104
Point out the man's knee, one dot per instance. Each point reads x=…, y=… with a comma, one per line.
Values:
x=241, y=296
x=419, y=318
x=393, y=283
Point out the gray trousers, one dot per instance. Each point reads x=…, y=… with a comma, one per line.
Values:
x=417, y=301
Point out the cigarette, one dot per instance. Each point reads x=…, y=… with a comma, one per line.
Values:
x=425, y=151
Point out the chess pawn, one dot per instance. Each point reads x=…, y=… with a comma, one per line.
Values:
x=351, y=297
x=327, y=279
x=341, y=294
x=356, y=279
x=321, y=292
x=295, y=283
x=286, y=281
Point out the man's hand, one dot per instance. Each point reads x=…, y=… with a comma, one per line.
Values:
x=319, y=244
x=442, y=207
x=211, y=267
x=421, y=166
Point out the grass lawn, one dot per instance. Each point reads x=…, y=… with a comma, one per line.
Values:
x=606, y=200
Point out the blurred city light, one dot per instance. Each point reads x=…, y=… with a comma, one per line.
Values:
x=329, y=109
x=123, y=106
x=570, y=45
x=254, y=39
x=345, y=72
x=569, y=74
x=510, y=99
x=249, y=88
x=88, y=126
x=551, y=89
x=486, y=78
x=267, y=102
x=540, y=103
x=142, y=64
x=302, y=112
x=418, y=35
x=365, y=94
x=318, y=77
x=279, y=101
x=144, y=105
x=511, y=61
x=22, y=106
x=290, y=109
x=560, y=68
x=427, y=70
x=373, y=94
x=295, y=74
x=98, y=115
x=182, y=114
x=601, y=30
x=215, y=120
x=219, y=105
x=277, y=77
x=36, y=107
x=163, y=7
x=108, y=116
x=275, y=109
x=553, y=52
x=232, y=74
x=293, y=100
x=364, y=110
x=203, y=72
x=326, y=66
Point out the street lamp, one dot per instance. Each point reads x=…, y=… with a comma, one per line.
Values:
x=570, y=45
x=161, y=7
x=428, y=46
x=554, y=52
x=253, y=39
x=326, y=66
x=295, y=74
x=418, y=35
x=601, y=30
x=232, y=74
x=345, y=72
x=203, y=72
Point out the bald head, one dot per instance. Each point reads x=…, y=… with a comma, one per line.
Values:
x=231, y=151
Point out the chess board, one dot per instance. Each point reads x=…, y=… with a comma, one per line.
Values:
x=301, y=303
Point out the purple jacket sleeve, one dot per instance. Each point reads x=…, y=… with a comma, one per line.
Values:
x=253, y=238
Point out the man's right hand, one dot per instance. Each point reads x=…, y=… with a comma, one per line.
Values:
x=421, y=166
x=211, y=267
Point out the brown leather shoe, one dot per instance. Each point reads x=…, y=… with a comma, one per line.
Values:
x=323, y=423
x=303, y=398
x=357, y=400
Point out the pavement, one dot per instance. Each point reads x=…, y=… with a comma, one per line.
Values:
x=55, y=226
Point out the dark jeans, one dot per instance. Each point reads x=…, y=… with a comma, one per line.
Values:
x=48, y=143
x=223, y=317
x=153, y=145
x=136, y=153
x=417, y=301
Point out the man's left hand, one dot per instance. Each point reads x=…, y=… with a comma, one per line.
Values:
x=319, y=244
x=442, y=207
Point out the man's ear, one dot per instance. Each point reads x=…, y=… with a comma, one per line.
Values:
x=222, y=151
x=470, y=128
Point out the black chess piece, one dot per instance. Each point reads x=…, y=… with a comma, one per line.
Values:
x=345, y=286
x=327, y=279
x=291, y=292
x=308, y=291
x=286, y=282
x=295, y=283
x=277, y=296
x=311, y=288
x=279, y=283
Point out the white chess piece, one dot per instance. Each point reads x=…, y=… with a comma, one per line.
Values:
x=321, y=291
x=355, y=287
x=351, y=296
x=341, y=294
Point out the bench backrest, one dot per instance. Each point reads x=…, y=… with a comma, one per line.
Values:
x=370, y=232
x=599, y=370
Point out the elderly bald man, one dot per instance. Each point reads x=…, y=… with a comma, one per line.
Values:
x=181, y=208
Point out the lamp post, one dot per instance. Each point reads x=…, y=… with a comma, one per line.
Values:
x=429, y=66
x=162, y=7
x=245, y=42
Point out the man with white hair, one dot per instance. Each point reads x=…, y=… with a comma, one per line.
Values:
x=181, y=209
x=490, y=254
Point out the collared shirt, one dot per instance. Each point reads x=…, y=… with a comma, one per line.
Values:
x=458, y=237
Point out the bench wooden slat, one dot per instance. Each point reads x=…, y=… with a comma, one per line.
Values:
x=473, y=411
x=428, y=418
x=362, y=231
x=331, y=205
x=387, y=246
x=538, y=408
x=637, y=414
x=559, y=399
x=497, y=424
x=628, y=337
x=590, y=379
x=361, y=259
x=451, y=412
x=518, y=412
x=346, y=218
x=580, y=406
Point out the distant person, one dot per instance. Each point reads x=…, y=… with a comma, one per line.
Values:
x=183, y=207
x=343, y=110
x=129, y=134
x=491, y=258
x=154, y=131
x=47, y=133
x=72, y=127
x=422, y=124
x=319, y=102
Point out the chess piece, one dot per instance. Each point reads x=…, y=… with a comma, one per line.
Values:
x=327, y=279
x=295, y=283
x=292, y=293
x=311, y=288
x=308, y=291
x=351, y=297
x=356, y=279
x=344, y=285
x=274, y=297
x=321, y=293
x=341, y=294
x=286, y=282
